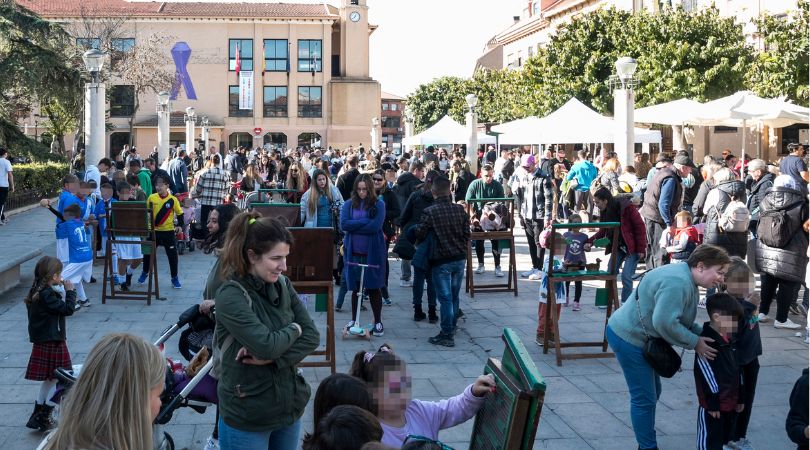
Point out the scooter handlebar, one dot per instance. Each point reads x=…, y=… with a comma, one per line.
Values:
x=373, y=266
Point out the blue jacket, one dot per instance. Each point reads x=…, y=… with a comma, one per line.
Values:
x=377, y=249
x=585, y=172
x=78, y=240
x=421, y=257
x=66, y=199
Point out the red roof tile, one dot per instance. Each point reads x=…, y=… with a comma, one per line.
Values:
x=103, y=8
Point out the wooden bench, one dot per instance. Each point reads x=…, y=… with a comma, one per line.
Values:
x=10, y=267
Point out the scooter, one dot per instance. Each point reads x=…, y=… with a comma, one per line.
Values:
x=359, y=330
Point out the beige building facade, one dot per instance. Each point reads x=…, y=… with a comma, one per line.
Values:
x=310, y=66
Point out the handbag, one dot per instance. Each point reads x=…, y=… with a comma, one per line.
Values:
x=658, y=353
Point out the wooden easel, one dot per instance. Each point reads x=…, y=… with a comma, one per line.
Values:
x=309, y=268
x=131, y=219
x=291, y=212
x=269, y=195
x=511, y=284
x=608, y=276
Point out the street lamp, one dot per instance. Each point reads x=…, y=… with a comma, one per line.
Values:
x=164, y=112
x=95, y=99
x=190, y=119
x=408, y=113
x=204, y=131
x=624, y=101
x=472, y=133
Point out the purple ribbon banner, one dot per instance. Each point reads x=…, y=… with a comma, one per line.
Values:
x=181, y=53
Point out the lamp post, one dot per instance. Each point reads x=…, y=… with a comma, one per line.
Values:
x=189, y=117
x=164, y=112
x=375, y=139
x=624, y=100
x=204, y=123
x=408, y=128
x=94, y=107
x=472, y=133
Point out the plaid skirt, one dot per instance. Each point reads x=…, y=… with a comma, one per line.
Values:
x=46, y=357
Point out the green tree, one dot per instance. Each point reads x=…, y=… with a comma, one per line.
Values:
x=62, y=120
x=432, y=101
x=782, y=68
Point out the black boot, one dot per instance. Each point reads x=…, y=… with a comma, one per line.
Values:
x=418, y=314
x=45, y=418
x=432, y=317
x=33, y=421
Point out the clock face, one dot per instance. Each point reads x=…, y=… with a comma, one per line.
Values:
x=355, y=16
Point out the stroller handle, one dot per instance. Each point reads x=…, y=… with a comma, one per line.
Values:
x=373, y=266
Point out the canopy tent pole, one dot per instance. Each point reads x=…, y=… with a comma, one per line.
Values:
x=742, y=157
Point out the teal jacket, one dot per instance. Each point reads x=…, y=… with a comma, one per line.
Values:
x=668, y=299
x=585, y=172
x=273, y=396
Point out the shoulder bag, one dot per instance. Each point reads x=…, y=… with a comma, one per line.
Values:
x=658, y=353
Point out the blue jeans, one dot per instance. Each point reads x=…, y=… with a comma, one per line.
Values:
x=419, y=277
x=627, y=272
x=282, y=439
x=644, y=386
x=447, y=282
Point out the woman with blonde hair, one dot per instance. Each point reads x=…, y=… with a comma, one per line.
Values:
x=297, y=179
x=115, y=399
x=609, y=175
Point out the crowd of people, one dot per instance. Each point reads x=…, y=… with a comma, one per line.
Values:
x=691, y=227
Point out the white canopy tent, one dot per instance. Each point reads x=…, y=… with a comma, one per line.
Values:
x=446, y=132
x=676, y=112
x=572, y=123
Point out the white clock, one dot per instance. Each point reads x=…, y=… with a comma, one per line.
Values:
x=354, y=16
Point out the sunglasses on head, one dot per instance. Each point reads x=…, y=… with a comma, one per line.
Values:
x=413, y=437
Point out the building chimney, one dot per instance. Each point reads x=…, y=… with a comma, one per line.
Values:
x=516, y=19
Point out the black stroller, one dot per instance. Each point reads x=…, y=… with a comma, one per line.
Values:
x=198, y=335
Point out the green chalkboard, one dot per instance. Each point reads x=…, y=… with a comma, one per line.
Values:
x=508, y=420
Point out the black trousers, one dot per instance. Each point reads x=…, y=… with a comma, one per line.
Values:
x=583, y=201
x=577, y=290
x=496, y=253
x=533, y=228
x=788, y=293
x=656, y=256
x=166, y=240
x=3, y=198
x=750, y=372
x=713, y=433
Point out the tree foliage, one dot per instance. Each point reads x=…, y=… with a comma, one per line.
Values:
x=782, y=67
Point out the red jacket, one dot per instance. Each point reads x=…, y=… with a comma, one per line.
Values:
x=632, y=228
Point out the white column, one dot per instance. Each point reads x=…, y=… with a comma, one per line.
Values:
x=163, y=134
x=94, y=119
x=408, y=133
x=375, y=139
x=204, y=135
x=189, y=134
x=624, y=141
x=472, y=141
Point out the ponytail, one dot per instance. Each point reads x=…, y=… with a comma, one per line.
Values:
x=47, y=267
x=250, y=231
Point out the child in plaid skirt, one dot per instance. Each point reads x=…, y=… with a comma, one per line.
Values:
x=48, y=302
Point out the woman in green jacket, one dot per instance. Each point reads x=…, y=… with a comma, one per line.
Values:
x=263, y=330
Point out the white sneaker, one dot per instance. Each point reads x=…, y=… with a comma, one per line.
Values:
x=742, y=444
x=211, y=444
x=405, y=283
x=537, y=275
x=480, y=269
x=762, y=318
x=527, y=273
x=498, y=272
x=788, y=324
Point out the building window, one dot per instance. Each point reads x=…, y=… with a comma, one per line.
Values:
x=391, y=122
x=385, y=106
x=310, y=57
x=309, y=101
x=276, y=55
x=275, y=101
x=122, y=101
x=723, y=129
x=233, y=104
x=245, y=47
x=394, y=106
x=123, y=45
x=89, y=43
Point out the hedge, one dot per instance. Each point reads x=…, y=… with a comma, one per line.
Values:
x=42, y=178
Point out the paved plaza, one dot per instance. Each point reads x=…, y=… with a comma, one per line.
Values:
x=586, y=404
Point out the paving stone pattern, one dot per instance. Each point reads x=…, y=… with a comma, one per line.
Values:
x=586, y=405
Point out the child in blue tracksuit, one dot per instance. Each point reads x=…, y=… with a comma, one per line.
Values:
x=740, y=283
x=70, y=186
x=80, y=255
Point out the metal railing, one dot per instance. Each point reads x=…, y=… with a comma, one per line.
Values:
x=21, y=199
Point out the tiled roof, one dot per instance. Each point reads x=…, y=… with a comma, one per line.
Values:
x=176, y=120
x=106, y=8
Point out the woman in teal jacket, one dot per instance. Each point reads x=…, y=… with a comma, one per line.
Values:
x=263, y=330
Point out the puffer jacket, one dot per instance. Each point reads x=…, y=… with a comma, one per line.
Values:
x=789, y=263
x=758, y=192
x=735, y=243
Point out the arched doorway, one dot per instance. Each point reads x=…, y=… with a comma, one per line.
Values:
x=309, y=140
x=240, y=140
x=276, y=140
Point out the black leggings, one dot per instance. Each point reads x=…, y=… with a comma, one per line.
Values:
x=166, y=240
x=786, y=293
x=375, y=299
x=577, y=290
x=384, y=289
x=496, y=253
x=3, y=198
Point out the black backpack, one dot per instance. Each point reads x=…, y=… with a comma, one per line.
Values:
x=776, y=227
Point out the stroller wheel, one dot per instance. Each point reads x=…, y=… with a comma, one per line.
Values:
x=165, y=442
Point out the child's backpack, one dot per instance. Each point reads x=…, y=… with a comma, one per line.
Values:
x=776, y=227
x=735, y=218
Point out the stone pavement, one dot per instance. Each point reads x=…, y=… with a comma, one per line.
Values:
x=586, y=404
